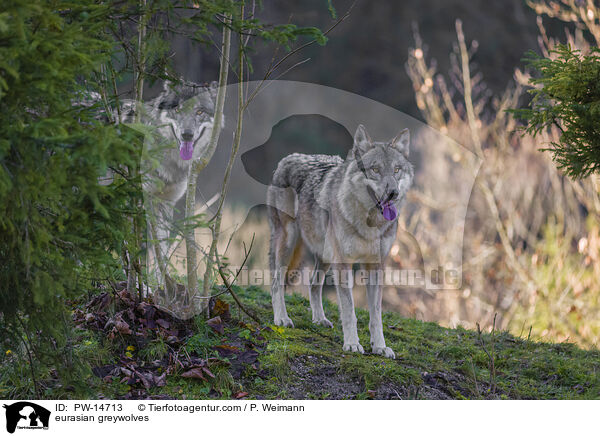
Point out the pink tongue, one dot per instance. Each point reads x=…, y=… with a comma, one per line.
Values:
x=186, y=149
x=389, y=211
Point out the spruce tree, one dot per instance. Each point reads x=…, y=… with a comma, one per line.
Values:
x=59, y=227
x=567, y=95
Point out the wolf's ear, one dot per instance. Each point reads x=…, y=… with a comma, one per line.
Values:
x=167, y=84
x=361, y=138
x=401, y=142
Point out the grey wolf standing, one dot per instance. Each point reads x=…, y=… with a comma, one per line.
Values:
x=341, y=213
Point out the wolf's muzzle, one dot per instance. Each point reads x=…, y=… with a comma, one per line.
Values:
x=187, y=135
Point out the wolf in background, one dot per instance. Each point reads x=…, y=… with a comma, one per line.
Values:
x=183, y=117
x=339, y=212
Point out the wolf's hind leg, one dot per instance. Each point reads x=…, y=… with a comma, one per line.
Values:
x=316, y=294
x=284, y=237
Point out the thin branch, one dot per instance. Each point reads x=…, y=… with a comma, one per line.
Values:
x=228, y=285
x=294, y=51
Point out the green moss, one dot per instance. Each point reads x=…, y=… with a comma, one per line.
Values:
x=430, y=358
x=308, y=361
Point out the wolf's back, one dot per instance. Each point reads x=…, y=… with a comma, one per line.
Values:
x=303, y=171
x=298, y=178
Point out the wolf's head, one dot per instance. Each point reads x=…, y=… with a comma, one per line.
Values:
x=188, y=109
x=386, y=172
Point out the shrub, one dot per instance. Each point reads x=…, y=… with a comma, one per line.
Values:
x=59, y=228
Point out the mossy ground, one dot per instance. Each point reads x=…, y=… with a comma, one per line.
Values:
x=307, y=362
x=431, y=361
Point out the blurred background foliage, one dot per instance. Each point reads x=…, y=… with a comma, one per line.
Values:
x=530, y=248
x=530, y=239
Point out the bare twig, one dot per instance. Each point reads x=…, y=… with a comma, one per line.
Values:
x=236, y=298
x=276, y=65
x=229, y=285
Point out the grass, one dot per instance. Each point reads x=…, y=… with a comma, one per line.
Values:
x=308, y=362
x=432, y=361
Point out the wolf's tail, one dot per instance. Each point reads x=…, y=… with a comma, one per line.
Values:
x=281, y=202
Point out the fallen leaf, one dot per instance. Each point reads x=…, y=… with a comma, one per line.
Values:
x=207, y=371
x=194, y=373
x=249, y=357
x=163, y=323
x=239, y=395
x=216, y=324
x=221, y=309
x=227, y=350
x=161, y=380
x=122, y=327
x=124, y=295
x=147, y=379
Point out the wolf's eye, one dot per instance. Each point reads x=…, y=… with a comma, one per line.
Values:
x=199, y=112
x=397, y=169
x=375, y=170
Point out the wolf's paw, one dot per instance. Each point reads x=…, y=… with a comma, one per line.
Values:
x=284, y=322
x=355, y=348
x=385, y=352
x=323, y=322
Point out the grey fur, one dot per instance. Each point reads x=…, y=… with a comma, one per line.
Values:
x=320, y=206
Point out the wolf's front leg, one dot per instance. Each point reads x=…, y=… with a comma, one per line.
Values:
x=343, y=285
x=375, y=323
x=280, y=316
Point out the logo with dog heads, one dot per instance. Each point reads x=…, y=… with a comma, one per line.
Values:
x=26, y=415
